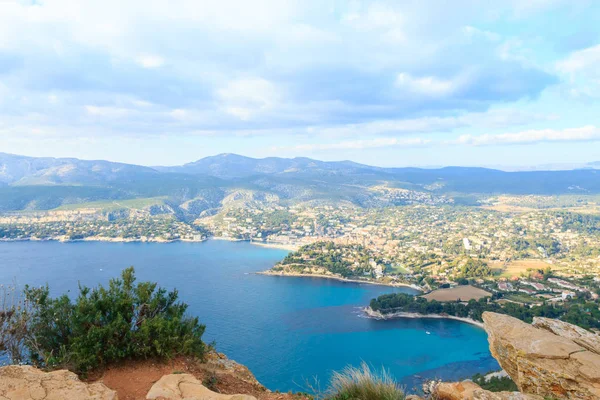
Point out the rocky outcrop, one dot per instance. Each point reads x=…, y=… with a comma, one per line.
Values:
x=186, y=386
x=551, y=359
x=468, y=390
x=219, y=362
x=586, y=339
x=29, y=383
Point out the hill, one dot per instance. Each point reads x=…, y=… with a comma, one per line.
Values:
x=29, y=183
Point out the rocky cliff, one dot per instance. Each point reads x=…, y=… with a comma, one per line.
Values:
x=548, y=358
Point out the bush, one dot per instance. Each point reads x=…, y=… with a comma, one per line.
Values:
x=496, y=384
x=362, y=384
x=106, y=325
x=13, y=324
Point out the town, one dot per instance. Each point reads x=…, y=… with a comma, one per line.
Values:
x=426, y=242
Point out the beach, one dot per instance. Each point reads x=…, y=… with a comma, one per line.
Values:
x=377, y=315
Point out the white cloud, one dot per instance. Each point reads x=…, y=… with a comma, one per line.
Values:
x=150, y=61
x=427, y=85
x=244, y=98
x=267, y=67
x=108, y=111
x=581, y=72
x=585, y=133
x=586, y=61
x=375, y=16
x=359, y=144
x=472, y=31
x=492, y=119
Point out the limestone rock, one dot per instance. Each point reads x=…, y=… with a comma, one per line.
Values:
x=542, y=363
x=29, y=383
x=219, y=362
x=469, y=390
x=187, y=387
x=586, y=339
x=456, y=390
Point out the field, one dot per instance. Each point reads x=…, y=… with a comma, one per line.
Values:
x=586, y=204
x=523, y=298
x=518, y=267
x=137, y=204
x=464, y=293
x=398, y=269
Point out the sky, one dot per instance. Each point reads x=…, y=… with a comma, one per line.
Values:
x=390, y=83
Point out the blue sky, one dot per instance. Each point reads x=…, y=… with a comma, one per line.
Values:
x=394, y=83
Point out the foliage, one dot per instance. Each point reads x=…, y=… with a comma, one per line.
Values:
x=332, y=257
x=496, y=384
x=211, y=382
x=14, y=310
x=105, y=325
x=583, y=223
x=363, y=384
x=579, y=312
x=475, y=268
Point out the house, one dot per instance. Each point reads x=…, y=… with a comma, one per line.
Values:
x=567, y=295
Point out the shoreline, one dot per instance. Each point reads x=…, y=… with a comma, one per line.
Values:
x=337, y=278
x=103, y=239
x=281, y=246
x=401, y=314
x=137, y=240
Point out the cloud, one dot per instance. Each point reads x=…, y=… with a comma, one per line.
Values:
x=244, y=98
x=150, y=61
x=581, y=73
x=272, y=67
x=584, y=61
x=428, y=85
x=358, y=144
x=493, y=119
x=583, y=134
x=473, y=32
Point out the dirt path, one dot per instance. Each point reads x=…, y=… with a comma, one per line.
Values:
x=132, y=380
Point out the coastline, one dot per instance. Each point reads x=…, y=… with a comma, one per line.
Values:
x=401, y=314
x=337, y=278
x=137, y=240
x=103, y=239
x=289, y=247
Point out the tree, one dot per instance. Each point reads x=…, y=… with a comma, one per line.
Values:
x=104, y=325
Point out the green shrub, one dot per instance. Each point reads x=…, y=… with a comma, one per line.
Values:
x=211, y=382
x=496, y=384
x=362, y=384
x=106, y=325
x=14, y=310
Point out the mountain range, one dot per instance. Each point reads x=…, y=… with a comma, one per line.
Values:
x=30, y=183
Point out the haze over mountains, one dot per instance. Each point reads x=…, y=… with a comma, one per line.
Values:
x=29, y=183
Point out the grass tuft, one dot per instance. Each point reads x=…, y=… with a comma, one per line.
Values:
x=360, y=383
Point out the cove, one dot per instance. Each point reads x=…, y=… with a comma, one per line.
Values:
x=288, y=331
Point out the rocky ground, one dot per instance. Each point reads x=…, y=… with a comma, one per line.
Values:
x=135, y=380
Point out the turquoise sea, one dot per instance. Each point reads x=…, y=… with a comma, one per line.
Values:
x=286, y=330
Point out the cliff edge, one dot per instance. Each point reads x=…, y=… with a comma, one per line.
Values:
x=549, y=358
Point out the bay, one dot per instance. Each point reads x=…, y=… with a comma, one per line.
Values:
x=288, y=331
